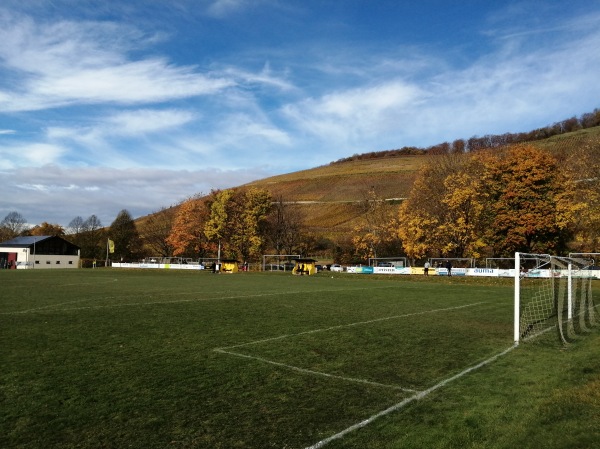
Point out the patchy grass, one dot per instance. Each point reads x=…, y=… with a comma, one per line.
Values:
x=158, y=359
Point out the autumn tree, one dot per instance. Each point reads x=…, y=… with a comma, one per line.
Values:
x=253, y=206
x=186, y=237
x=458, y=146
x=583, y=165
x=460, y=231
x=377, y=230
x=531, y=199
x=238, y=221
x=123, y=232
x=217, y=228
x=47, y=229
x=444, y=212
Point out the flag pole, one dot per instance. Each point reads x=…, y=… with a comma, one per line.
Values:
x=106, y=260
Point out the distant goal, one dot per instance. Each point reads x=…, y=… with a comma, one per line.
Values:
x=396, y=262
x=552, y=293
x=278, y=262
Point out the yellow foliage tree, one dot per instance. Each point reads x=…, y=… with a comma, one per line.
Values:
x=237, y=218
x=47, y=229
x=584, y=165
x=444, y=212
x=378, y=229
x=461, y=231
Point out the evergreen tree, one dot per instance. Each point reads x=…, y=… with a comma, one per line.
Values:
x=124, y=234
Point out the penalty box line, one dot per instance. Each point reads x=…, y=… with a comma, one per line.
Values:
x=315, y=373
x=405, y=402
x=341, y=326
x=228, y=349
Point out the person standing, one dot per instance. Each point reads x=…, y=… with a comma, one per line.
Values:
x=426, y=268
x=449, y=267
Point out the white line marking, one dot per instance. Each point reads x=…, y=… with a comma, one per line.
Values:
x=130, y=304
x=406, y=401
x=317, y=373
x=314, y=331
x=226, y=350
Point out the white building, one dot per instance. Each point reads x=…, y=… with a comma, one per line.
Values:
x=39, y=251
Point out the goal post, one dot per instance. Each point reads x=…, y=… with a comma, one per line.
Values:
x=552, y=292
x=396, y=261
x=277, y=261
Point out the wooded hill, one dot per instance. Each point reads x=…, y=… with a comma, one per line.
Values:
x=329, y=197
x=334, y=209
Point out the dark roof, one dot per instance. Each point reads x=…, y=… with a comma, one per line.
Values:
x=27, y=240
x=51, y=243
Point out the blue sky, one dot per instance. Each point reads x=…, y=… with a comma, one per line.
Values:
x=111, y=105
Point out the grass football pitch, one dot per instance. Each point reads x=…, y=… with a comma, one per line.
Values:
x=111, y=358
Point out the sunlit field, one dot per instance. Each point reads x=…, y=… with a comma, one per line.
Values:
x=110, y=358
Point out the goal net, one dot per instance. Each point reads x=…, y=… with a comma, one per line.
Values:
x=552, y=293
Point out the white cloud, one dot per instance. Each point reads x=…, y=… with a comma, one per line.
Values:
x=265, y=77
x=516, y=88
x=355, y=114
x=221, y=8
x=69, y=63
x=144, y=121
x=15, y=155
x=46, y=193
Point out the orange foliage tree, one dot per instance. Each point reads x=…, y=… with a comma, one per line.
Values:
x=532, y=204
x=491, y=203
x=187, y=234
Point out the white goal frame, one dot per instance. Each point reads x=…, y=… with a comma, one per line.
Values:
x=374, y=260
x=279, y=257
x=565, y=288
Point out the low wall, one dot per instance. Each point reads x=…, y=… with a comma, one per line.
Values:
x=485, y=272
x=418, y=271
x=162, y=266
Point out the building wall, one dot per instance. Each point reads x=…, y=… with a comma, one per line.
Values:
x=27, y=260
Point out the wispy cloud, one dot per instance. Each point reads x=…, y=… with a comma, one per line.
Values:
x=516, y=88
x=49, y=189
x=222, y=8
x=68, y=63
x=13, y=155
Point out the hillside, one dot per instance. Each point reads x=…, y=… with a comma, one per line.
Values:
x=329, y=196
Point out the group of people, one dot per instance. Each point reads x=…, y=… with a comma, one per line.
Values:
x=427, y=266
